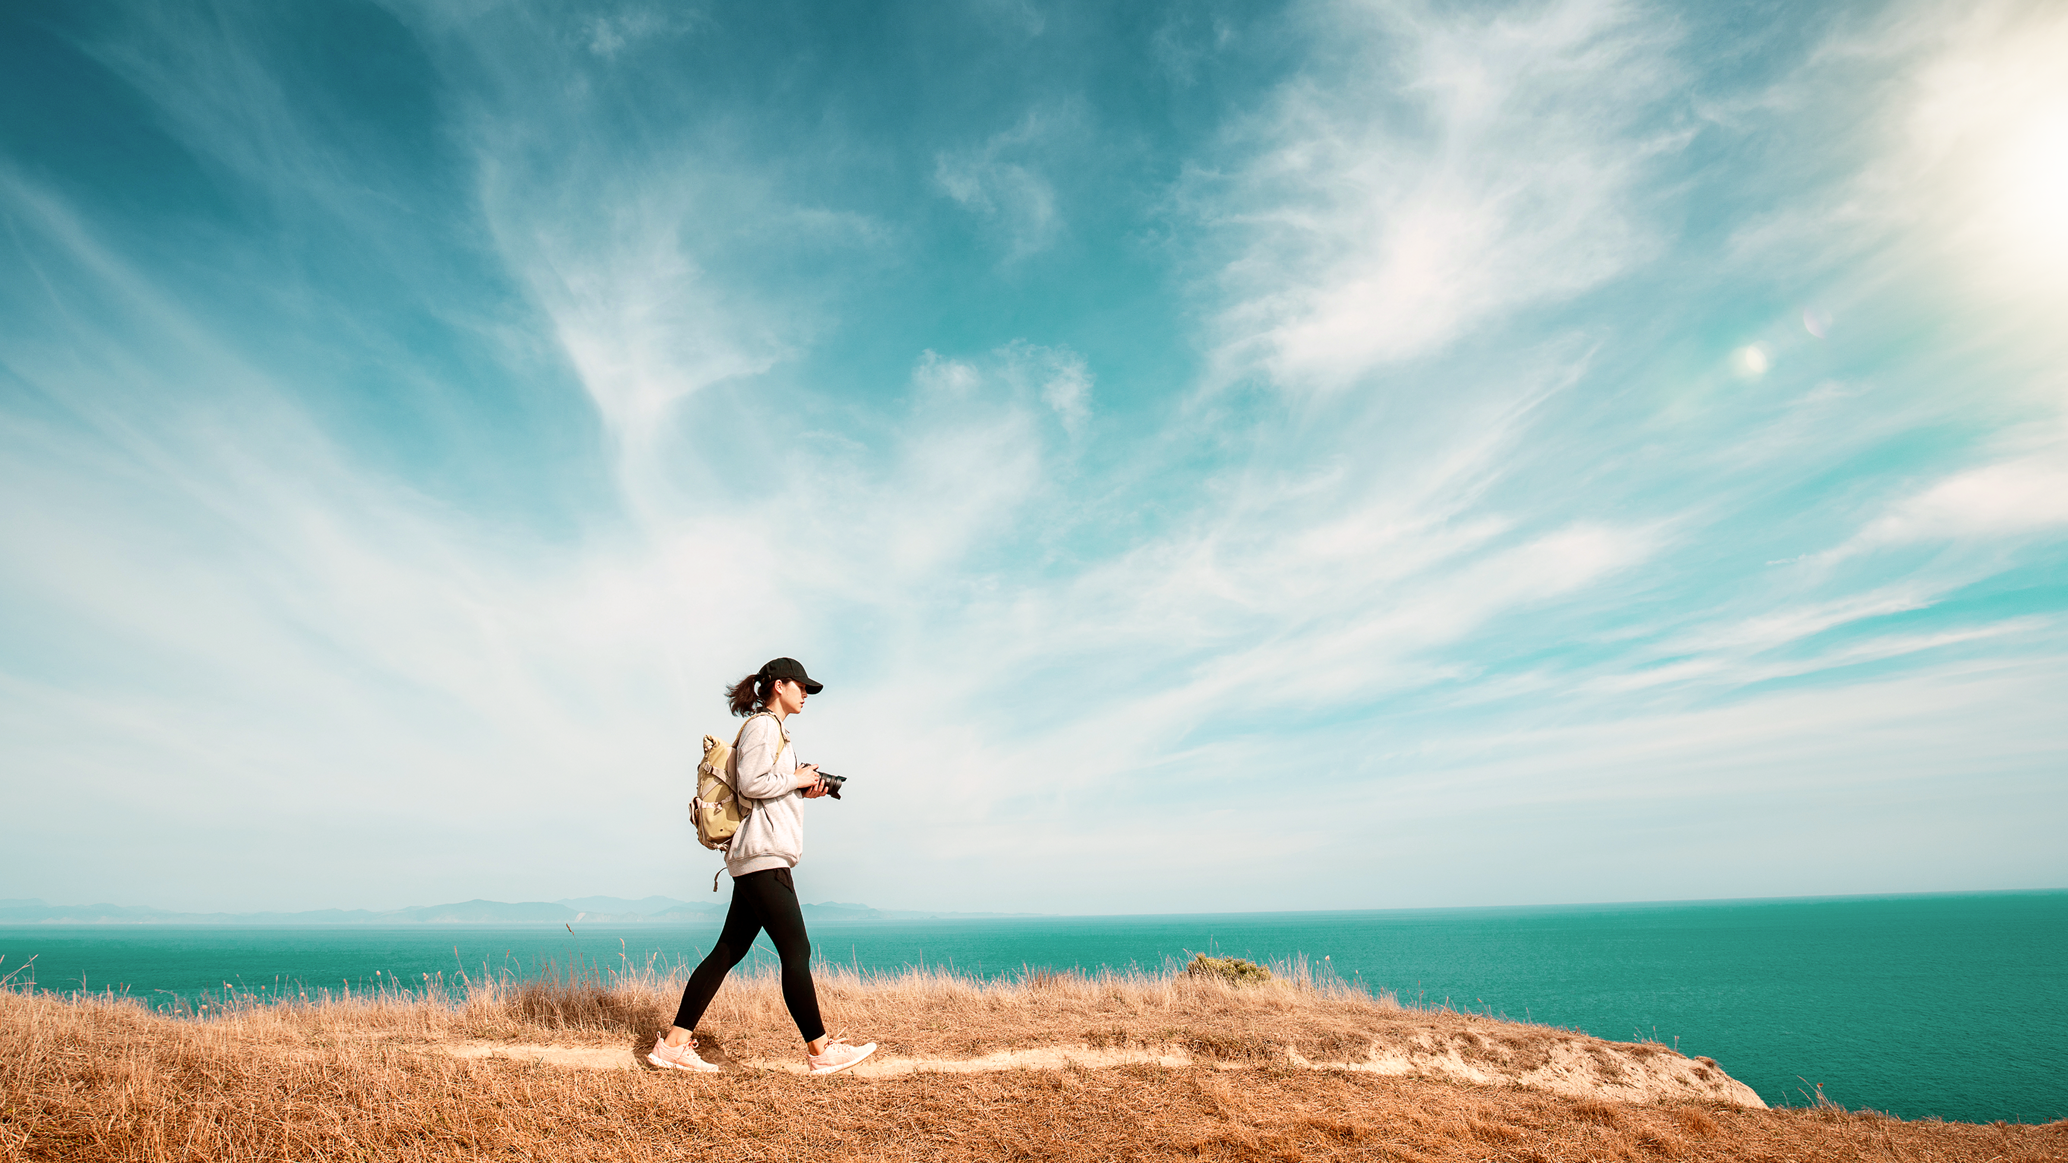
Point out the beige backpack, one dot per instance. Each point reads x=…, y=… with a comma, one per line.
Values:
x=717, y=808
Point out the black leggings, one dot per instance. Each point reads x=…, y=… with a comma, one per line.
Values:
x=760, y=900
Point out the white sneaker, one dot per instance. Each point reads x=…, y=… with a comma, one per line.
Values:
x=683, y=1057
x=838, y=1056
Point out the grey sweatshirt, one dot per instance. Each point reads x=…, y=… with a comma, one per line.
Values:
x=772, y=835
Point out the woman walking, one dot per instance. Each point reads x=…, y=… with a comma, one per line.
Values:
x=769, y=781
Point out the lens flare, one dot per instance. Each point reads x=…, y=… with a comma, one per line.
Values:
x=1817, y=323
x=1751, y=360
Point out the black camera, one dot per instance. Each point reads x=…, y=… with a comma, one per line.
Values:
x=832, y=783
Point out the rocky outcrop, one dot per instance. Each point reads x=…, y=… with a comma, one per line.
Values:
x=1563, y=1063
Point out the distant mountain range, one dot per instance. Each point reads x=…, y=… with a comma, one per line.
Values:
x=587, y=910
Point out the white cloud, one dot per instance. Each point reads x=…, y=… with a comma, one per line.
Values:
x=1189, y=37
x=242, y=632
x=2013, y=498
x=1773, y=628
x=609, y=35
x=1023, y=15
x=1432, y=173
x=1068, y=391
x=936, y=376
x=1060, y=376
x=654, y=272
x=1000, y=183
x=634, y=309
x=1057, y=376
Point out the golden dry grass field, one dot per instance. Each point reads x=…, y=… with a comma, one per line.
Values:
x=1049, y=1068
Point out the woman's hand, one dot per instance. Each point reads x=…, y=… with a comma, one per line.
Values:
x=808, y=780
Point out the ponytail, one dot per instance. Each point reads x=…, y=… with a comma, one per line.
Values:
x=750, y=694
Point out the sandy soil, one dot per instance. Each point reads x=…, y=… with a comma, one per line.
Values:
x=1575, y=1066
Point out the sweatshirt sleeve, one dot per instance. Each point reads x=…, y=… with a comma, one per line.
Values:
x=757, y=774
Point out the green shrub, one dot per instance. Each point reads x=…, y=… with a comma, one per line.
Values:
x=1233, y=969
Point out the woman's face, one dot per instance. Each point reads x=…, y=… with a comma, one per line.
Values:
x=789, y=696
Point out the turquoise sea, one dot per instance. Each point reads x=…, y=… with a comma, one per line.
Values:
x=1947, y=1006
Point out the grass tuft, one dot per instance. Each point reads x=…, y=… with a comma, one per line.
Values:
x=1230, y=969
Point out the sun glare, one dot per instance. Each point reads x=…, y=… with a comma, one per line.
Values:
x=2031, y=183
x=1992, y=130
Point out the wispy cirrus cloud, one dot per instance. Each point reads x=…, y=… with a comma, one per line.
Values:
x=2011, y=498
x=1430, y=171
x=1002, y=183
x=609, y=34
x=236, y=619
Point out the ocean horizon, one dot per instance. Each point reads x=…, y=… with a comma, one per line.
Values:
x=1939, y=1005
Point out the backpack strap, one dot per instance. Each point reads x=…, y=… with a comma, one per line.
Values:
x=734, y=760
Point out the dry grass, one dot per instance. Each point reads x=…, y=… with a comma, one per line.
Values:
x=360, y=1077
x=924, y=1014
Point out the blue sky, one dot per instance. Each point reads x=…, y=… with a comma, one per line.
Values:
x=1218, y=457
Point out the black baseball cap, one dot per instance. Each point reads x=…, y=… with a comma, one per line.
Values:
x=793, y=670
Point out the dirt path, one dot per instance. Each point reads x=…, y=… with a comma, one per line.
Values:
x=1576, y=1068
